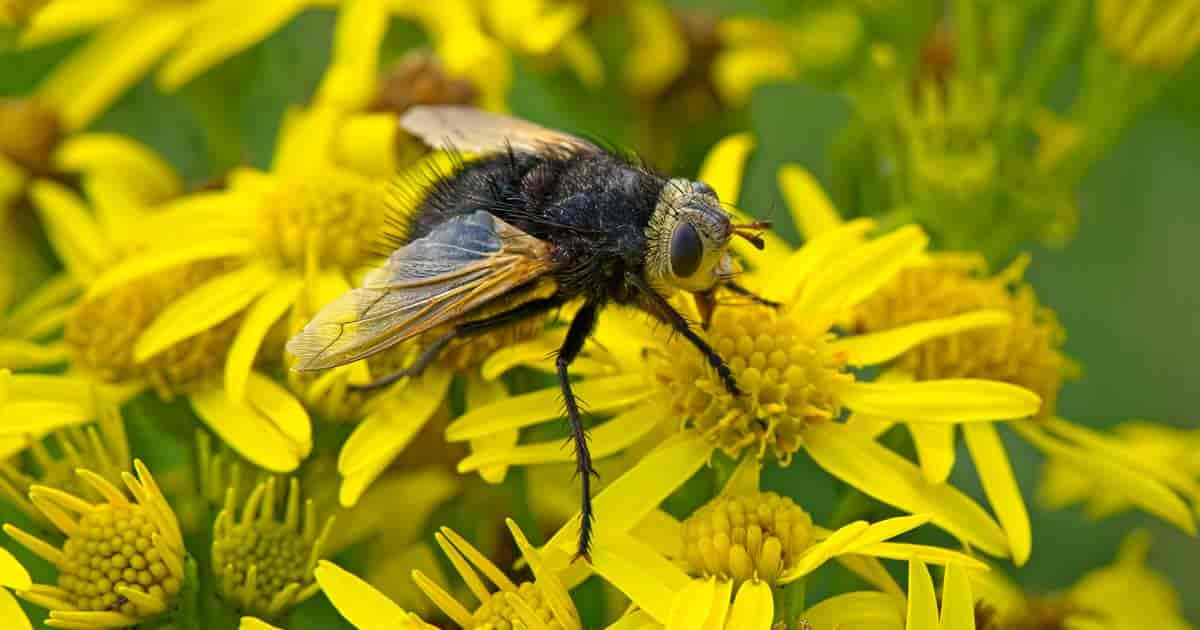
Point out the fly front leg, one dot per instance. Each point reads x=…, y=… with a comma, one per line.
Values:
x=752, y=296
x=658, y=306
x=577, y=334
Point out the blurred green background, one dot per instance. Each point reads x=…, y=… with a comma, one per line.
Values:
x=1126, y=289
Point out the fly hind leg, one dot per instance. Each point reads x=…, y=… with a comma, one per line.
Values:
x=431, y=352
x=577, y=334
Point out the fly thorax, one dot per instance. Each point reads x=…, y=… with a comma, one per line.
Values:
x=687, y=238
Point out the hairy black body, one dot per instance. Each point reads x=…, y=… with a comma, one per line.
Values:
x=593, y=209
x=537, y=205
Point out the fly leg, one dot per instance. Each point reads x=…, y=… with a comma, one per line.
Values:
x=577, y=334
x=431, y=352
x=658, y=306
x=747, y=293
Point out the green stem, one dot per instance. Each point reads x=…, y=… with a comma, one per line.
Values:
x=791, y=601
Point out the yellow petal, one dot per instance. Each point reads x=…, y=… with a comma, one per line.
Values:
x=863, y=610
x=1119, y=451
x=601, y=394
x=1138, y=488
x=306, y=139
x=639, y=571
x=357, y=601
x=117, y=156
x=958, y=603
x=924, y=553
x=886, y=476
x=812, y=211
x=387, y=431
x=790, y=274
x=259, y=320
x=858, y=273
x=605, y=439
x=935, y=449
x=283, y=410
x=481, y=392
x=230, y=32
x=946, y=400
x=922, y=602
x=888, y=529
x=18, y=417
x=94, y=76
x=630, y=497
x=23, y=355
x=74, y=233
x=56, y=20
x=737, y=71
x=1000, y=485
x=744, y=479
x=753, y=608
x=10, y=609
x=367, y=143
x=881, y=347
x=635, y=620
x=204, y=307
x=350, y=80
x=245, y=430
x=538, y=350
x=815, y=556
x=690, y=609
x=141, y=266
x=581, y=56
x=254, y=623
x=725, y=165
x=12, y=574
x=659, y=53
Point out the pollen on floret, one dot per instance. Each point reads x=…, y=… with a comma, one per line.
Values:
x=750, y=536
x=785, y=367
x=102, y=330
x=330, y=218
x=1026, y=353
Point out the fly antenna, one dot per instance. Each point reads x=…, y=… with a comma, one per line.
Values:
x=750, y=232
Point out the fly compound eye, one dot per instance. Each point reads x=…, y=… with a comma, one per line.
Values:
x=687, y=250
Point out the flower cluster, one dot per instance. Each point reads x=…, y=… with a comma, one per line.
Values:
x=186, y=185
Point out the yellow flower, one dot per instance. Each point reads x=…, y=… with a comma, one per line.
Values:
x=131, y=213
x=743, y=540
x=757, y=51
x=265, y=565
x=542, y=603
x=1158, y=35
x=29, y=133
x=1119, y=596
x=1027, y=352
x=546, y=30
x=793, y=366
x=122, y=562
x=27, y=328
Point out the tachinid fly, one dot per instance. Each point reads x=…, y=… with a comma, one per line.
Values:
x=539, y=219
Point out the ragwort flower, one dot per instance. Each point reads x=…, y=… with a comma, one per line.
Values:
x=542, y=603
x=794, y=367
x=130, y=211
x=265, y=565
x=744, y=541
x=122, y=562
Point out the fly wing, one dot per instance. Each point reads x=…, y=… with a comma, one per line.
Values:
x=454, y=127
x=459, y=266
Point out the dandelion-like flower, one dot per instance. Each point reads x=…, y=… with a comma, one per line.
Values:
x=122, y=562
x=542, y=603
x=793, y=365
x=264, y=566
x=743, y=541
